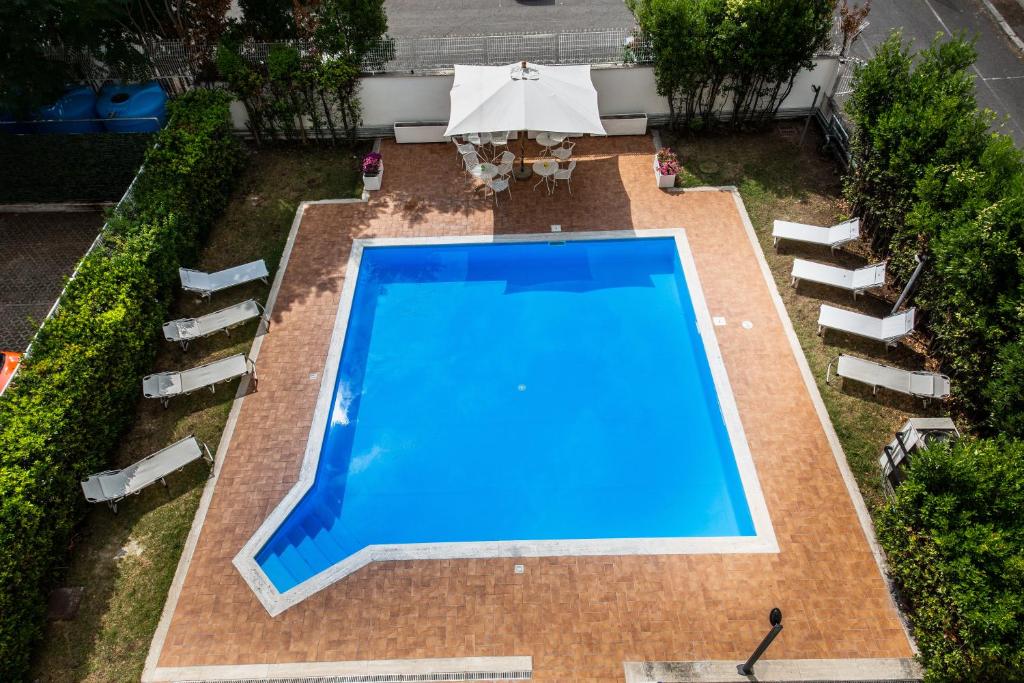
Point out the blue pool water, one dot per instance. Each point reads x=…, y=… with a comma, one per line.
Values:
x=526, y=391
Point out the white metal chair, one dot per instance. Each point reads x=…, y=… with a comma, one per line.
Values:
x=499, y=139
x=471, y=160
x=499, y=184
x=565, y=174
x=564, y=152
x=505, y=162
x=463, y=148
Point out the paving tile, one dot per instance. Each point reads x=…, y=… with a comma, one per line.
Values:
x=578, y=617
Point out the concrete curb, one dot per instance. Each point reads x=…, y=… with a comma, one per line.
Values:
x=1007, y=29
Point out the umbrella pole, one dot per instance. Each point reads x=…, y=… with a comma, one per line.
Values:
x=523, y=172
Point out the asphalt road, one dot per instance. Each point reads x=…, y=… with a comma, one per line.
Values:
x=475, y=17
x=999, y=69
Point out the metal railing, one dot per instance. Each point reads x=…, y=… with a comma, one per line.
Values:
x=176, y=63
x=436, y=53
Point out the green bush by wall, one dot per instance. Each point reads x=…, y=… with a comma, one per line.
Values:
x=73, y=397
x=954, y=537
x=928, y=177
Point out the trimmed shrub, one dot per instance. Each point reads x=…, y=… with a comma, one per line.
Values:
x=74, y=395
x=929, y=178
x=954, y=536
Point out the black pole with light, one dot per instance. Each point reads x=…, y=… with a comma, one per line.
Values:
x=775, y=619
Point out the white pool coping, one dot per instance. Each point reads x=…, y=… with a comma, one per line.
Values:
x=763, y=541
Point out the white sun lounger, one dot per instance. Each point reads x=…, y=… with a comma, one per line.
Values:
x=833, y=237
x=205, y=284
x=112, y=486
x=889, y=330
x=924, y=385
x=184, y=330
x=164, y=385
x=855, y=281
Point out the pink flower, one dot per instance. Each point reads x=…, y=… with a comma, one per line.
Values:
x=371, y=164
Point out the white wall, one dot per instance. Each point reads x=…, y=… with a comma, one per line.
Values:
x=390, y=98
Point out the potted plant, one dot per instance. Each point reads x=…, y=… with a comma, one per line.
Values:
x=666, y=166
x=373, y=171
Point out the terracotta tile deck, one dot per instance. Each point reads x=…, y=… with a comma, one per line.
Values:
x=578, y=617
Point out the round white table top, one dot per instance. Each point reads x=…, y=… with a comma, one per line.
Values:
x=479, y=138
x=545, y=167
x=485, y=170
x=547, y=138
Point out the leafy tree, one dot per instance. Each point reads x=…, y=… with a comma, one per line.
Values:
x=770, y=41
x=36, y=34
x=954, y=537
x=349, y=28
x=967, y=219
x=267, y=20
x=690, y=62
x=1005, y=390
x=751, y=50
x=284, y=68
x=908, y=115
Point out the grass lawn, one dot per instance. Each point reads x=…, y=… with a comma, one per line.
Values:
x=126, y=561
x=778, y=179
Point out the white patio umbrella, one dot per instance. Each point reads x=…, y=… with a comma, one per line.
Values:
x=523, y=96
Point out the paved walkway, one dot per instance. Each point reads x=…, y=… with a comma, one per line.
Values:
x=578, y=617
x=37, y=251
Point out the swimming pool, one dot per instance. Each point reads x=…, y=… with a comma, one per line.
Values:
x=527, y=397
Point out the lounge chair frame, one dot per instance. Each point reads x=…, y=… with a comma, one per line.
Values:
x=250, y=370
x=888, y=339
x=175, y=325
x=250, y=272
x=204, y=453
x=832, y=370
x=857, y=280
x=844, y=228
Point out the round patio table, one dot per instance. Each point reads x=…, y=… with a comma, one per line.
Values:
x=484, y=171
x=546, y=169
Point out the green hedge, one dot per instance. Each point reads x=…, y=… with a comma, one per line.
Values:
x=954, y=537
x=73, y=397
x=929, y=177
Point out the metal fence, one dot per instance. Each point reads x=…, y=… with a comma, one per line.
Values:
x=177, y=64
x=435, y=53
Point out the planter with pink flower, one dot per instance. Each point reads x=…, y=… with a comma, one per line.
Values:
x=666, y=167
x=373, y=171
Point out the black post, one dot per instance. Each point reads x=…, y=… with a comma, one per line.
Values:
x=807, y=123
x=775, y=619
